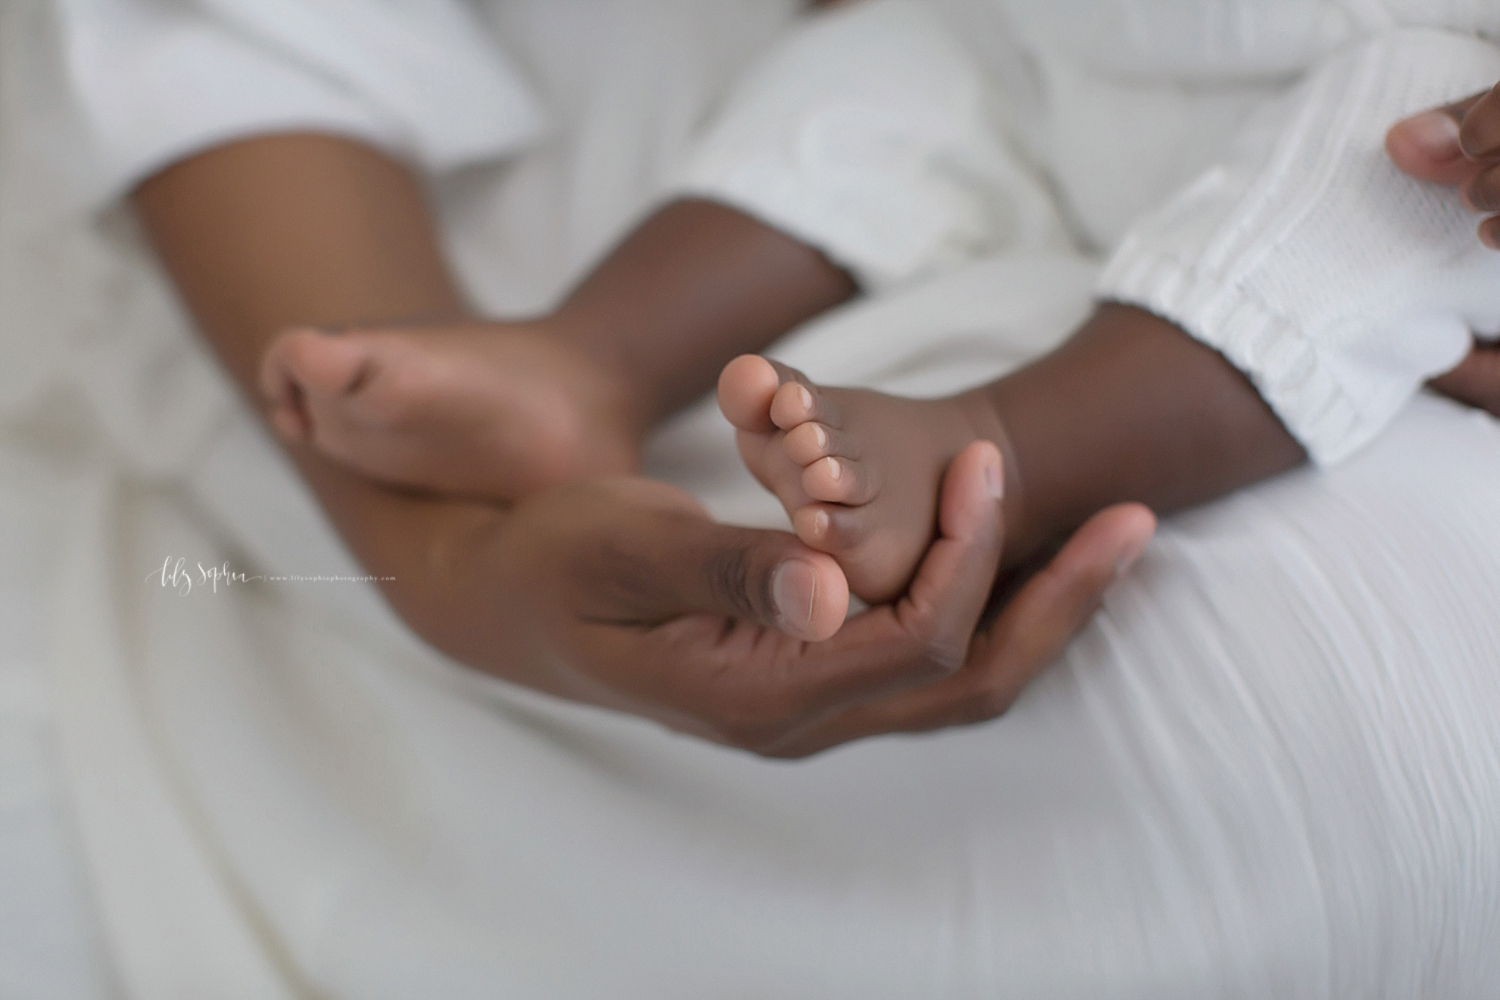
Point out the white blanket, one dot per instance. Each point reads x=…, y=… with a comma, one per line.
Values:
x=1269, y=767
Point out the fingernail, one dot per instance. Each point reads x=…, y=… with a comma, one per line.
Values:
x=794, y=588
x=1436, y=134
x=1131, y=556
x=994, y=478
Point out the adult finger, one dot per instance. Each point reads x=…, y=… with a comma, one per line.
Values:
x=1479, y=133
x=1431, y=146
x=1029, y=635
x=670, y=560
x=1476, y=380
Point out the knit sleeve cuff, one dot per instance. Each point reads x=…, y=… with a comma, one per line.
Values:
x=1331, y=411
x=1338, y=285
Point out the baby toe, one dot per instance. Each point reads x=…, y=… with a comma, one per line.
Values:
x=806, y=443
x=327, y=363
x=746, y=387
x=798, y=401
x=840, y=480
x=304, y=376
x=832, y=528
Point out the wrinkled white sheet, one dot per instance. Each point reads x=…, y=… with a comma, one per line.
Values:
x=1269, y=768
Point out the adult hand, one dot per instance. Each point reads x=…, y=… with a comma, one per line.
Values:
x=1459, y=146
x=623, y=593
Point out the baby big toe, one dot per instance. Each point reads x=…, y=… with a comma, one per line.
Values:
x=303, y=372
x=327, y=363
x=746, y=386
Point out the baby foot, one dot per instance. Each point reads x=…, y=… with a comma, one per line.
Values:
x=858, y=471
x=489, y=409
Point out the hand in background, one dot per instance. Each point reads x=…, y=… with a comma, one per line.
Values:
x=1459, y=146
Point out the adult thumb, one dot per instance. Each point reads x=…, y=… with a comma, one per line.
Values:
x=675, y=561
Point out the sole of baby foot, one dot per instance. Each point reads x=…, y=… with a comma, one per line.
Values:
x=857, y=471
x=483, y=409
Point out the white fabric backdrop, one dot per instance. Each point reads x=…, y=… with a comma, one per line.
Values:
x=1269, y=768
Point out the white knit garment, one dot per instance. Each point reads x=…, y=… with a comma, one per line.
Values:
x=1337, y=283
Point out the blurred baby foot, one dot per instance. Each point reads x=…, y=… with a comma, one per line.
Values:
x=488, y=409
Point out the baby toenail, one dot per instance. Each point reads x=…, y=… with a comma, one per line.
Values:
x=820, y=524
x=835, y=470
x=821, y=436
x=805, y=397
